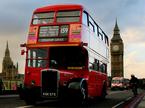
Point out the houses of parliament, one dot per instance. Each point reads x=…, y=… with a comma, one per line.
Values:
x=9, y=70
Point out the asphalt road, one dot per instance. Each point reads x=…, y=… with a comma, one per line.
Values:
x=115, y=99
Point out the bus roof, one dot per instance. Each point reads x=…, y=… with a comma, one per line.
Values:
x=59, y=7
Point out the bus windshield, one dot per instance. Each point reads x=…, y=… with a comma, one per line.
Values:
x=63, y=57
x=68, y=57
x=37, y=58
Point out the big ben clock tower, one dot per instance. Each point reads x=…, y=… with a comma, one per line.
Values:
x=117, y=51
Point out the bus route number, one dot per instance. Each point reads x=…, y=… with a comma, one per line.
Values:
x=64, y=30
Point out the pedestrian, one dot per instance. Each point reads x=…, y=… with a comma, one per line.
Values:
x=134, y=84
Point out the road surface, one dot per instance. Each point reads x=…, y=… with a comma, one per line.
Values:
x=115, y=99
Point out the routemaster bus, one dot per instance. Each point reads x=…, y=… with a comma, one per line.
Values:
x=66, y=55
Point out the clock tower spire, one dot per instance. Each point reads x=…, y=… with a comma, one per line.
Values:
x=117, y=52
x=116, y=35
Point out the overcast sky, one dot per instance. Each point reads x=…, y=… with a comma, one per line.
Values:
x=15, y=16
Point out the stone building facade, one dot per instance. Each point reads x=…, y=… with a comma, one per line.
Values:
x=9, y=70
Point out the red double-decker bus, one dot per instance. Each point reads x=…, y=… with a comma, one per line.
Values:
x=66, y=55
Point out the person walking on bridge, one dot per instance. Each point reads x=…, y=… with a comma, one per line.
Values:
x=134, y=84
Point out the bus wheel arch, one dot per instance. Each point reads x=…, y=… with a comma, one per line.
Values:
x=81, y=87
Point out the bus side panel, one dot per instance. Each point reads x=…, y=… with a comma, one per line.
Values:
x=95, y=83
x=99, y=81
x=92, y=90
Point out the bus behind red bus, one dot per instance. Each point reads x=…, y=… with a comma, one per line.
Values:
x=66, y=55
x=119, y=83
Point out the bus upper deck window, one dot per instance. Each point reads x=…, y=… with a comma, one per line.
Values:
x=43, y=18
x=68, y=16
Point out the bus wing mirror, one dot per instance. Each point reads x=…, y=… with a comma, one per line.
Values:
x=23, y=52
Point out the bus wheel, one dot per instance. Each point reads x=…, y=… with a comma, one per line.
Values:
x=83, y=94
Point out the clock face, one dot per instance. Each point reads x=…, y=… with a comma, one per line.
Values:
x=115, y=47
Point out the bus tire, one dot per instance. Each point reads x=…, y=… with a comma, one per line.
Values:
x=83, y=97
x=81, y=92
